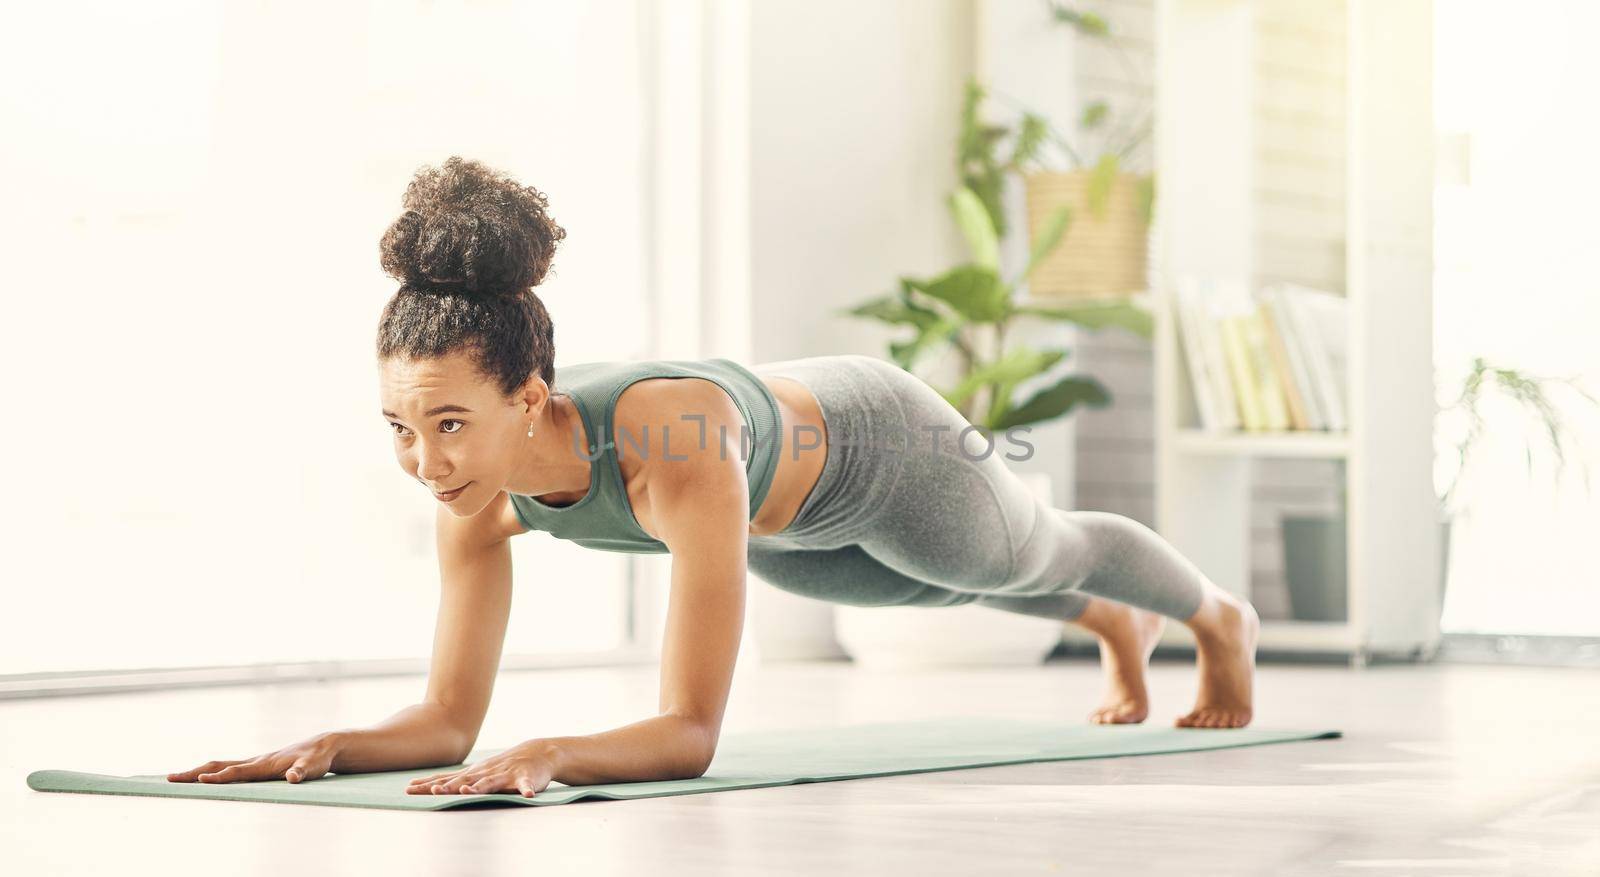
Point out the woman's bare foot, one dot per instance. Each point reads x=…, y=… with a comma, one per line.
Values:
x=1127, y=637
x=1225, y=632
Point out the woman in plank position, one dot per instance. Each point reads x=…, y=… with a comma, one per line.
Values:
x=842, y=478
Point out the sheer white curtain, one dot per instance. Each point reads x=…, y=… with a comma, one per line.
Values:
x=1516, y=284
x=193, y=193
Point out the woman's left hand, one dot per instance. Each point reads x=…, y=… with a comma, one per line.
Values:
x=525, y=768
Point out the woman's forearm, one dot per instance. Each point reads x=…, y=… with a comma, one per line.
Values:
x=664, y=747
x=420, y=735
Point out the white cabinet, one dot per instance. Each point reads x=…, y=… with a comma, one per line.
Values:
x=1209, y=223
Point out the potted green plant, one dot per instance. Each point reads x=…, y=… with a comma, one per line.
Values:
x=971, y=307
x=1314, y=546
x=971, y=310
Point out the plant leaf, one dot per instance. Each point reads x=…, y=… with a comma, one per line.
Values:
x=1121, y=313
x=1015, y=367
x=976, y=227
x=1049, y=237
x=1100, y=180
x=970, y=146
x=1094, y=114
x=1001, y=401
x=928, y=316
x=1083, y=22
x=974, y=291
x=906, y=353
x=1146, y=191
x=895, y=310
x=988, y=184
x=1031, y=134
x=1054, y=402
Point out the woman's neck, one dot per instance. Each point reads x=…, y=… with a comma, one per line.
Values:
x=554, y=460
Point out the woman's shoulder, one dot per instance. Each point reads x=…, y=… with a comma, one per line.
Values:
x=675, y=423
x=673, y=406
x=634, y=387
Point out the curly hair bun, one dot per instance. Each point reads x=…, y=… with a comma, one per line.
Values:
x=470, y=228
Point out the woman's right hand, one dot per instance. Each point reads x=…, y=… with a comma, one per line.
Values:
x=306, y=760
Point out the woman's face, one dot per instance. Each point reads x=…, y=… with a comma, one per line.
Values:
x=452, y=429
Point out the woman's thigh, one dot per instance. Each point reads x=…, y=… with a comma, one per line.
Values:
x=913, y=486
x=846, y=575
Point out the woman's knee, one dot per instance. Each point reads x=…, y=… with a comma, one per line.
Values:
x=1065, y=548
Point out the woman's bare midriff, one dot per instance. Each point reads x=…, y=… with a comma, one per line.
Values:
x=798, y=470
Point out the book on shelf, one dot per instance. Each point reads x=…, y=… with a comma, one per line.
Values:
x=1294, y=351
x=1321, y=318
x=1212, y=392
x=1273, y=360
x=1251, y=415
x=1269, y=384
x=1277, y=347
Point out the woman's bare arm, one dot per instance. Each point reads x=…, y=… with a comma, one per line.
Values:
x=701, y=504
x=474, y=606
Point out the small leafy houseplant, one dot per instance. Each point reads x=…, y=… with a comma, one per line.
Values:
x=971, y=308
x=1528, y=390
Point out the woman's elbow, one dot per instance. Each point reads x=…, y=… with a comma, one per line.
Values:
x=701, y=763
x=699, y=770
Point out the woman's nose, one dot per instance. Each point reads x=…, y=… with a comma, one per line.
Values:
x=431, y=465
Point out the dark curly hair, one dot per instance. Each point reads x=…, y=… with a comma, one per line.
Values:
x=468, y=250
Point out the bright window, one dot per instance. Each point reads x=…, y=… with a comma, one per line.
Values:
x=197, y=469
x=1515, y=283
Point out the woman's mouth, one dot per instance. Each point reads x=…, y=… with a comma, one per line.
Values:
x=447, y=497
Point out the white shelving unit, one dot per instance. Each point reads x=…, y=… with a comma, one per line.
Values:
x=1204, y=156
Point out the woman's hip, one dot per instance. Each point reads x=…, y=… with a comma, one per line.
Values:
x=899, y=456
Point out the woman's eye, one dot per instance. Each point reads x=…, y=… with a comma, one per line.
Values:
x=400, y=430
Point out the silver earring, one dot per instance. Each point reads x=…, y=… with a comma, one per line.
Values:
x=530, y=429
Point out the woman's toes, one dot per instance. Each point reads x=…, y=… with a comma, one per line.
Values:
x=1115, y=715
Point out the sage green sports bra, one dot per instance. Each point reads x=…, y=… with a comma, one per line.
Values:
x=603, y=518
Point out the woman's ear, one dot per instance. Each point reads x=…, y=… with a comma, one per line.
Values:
x=535, y=395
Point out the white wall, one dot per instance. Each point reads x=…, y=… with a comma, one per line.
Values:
x=200, y=473
x=854, y=114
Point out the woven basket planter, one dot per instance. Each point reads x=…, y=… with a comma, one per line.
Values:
x=1100, y=256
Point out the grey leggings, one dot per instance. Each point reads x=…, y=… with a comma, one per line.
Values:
x=914, y=507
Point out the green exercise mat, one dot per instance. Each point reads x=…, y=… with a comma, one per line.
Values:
x=749, y=760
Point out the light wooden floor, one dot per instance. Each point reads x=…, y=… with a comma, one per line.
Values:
x=1444, y=769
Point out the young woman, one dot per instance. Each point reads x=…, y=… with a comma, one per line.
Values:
x=843, y=478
